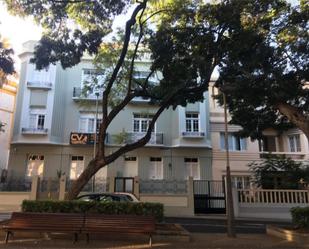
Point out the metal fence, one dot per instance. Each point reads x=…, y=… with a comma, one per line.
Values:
x=100, y=185
x=163, y=186
x=21, y=184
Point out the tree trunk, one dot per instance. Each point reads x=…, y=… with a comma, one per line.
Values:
x=93, y=166
x=295, y=116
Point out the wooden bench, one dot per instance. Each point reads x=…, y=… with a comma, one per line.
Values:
x=45, y=222
x=80, y=223
x=125, y=224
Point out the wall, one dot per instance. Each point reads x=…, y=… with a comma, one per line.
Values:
x=11, y=201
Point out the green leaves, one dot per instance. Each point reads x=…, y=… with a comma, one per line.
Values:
x=279, y=172
x=140, y=208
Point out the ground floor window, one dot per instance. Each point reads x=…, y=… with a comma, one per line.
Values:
x=241, y=182
x=156, y=168
x=192, y=168
x=77, y=167
x=130, y=168
x=35, y=165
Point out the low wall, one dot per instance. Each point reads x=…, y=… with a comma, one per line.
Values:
x=268, y=204
x=174, y=205
x=11, y=201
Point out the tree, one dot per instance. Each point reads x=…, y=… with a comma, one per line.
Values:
x=279, y=172
x=6, y=61
x=265, y=79
x=187, y=44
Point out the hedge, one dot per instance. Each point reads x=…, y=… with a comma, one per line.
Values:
x=134, y=208
x=300, y=217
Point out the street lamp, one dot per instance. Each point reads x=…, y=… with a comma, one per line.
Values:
x=229, y=197
x=97, y=93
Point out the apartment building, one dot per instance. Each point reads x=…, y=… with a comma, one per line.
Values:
x=55, y=125
x=292, y=143
x=7, y=105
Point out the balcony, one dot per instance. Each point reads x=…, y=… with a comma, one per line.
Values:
x=193, y=134
x=131, y=137
x=78, y=94
x=34, y=131
x=39, y=85
x=292, y=155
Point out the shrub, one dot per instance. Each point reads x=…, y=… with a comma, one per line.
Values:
x=300, y=217
x=134, y=208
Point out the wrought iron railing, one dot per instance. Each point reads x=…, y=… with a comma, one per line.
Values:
x=21, y=184
x=43, y=131
x=78, y=93
x=163, y=186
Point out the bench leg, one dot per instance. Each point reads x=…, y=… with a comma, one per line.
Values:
x=75, y=238
x=150, y=240
x=87, y=237
x=8, y=233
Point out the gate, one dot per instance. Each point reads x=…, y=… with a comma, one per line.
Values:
x=209, y=197
x=124, y=184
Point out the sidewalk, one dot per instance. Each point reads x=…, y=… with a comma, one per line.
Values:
x=245, y=241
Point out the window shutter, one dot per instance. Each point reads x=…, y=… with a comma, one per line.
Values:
x=83, y=125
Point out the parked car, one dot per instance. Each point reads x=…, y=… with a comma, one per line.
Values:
x=107, y=197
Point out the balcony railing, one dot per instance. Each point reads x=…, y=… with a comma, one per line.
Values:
x=79, y=94
x=193, y=134
x=39, y=84
x=35, y=131
x=292, y=155
x=156, y=138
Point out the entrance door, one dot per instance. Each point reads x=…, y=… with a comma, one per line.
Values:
x=124, y=184
x=209, y=197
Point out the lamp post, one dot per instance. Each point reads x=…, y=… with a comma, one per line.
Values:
x=229, y=197
x=95, y=134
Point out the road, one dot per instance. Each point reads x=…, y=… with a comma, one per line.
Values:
x=213, y=225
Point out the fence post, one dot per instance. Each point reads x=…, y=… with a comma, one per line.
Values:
x=111, y=184
x=235, y=202
x=62, y=184
x=190, y=195
x=136, y=186
x=34, y=188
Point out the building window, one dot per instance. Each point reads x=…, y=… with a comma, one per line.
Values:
x=192, y=122
x=156, y=168
x=241, y=182
x=235, y=143
x=130, y=168
x=77, y=166
x=294, y=143
x=192, y=168
x=37, y=121
x=92, y=78
x=40, y=76
x=141, y=122
x=88, y=124
x=35, y=165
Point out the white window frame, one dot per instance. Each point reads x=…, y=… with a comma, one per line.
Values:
x=192, y=120
x=80, y=163
x=142, y=118
x=130, y=161
x=191, y=162
x=34, y=118
x=294, y=143
x=157, y=164
x=233, y=142
x=40, y=76
x=88, y=77
x=241, y=181
x=88, y=118
x=38, y=165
